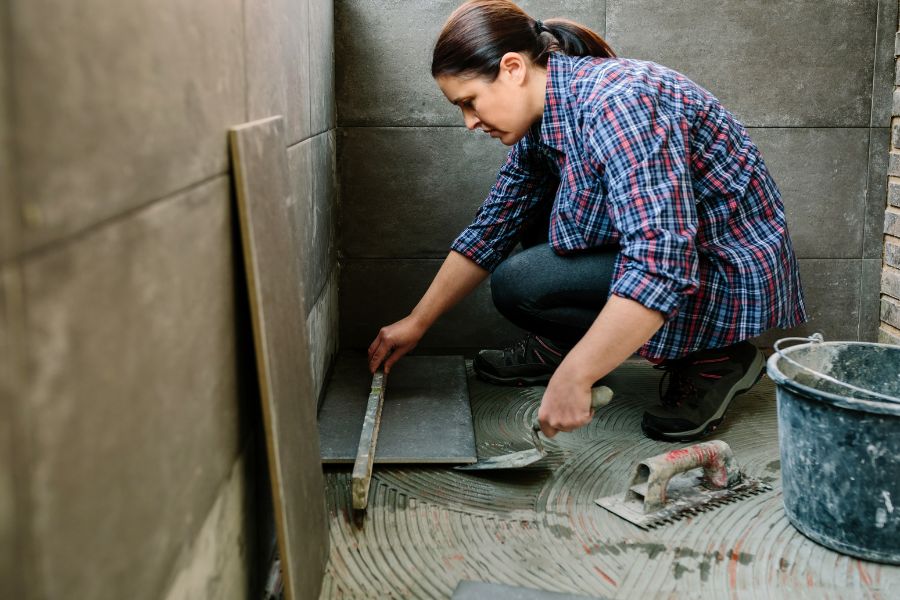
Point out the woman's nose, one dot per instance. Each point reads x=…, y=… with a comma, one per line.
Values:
x=471, y=120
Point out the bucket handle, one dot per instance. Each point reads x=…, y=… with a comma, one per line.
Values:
x=817, y=338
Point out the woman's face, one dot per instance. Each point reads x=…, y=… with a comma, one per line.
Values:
x=503, y=108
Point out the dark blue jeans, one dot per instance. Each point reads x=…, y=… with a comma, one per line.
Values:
x=557, y=297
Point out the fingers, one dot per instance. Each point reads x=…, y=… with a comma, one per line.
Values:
x=378, y=354
x=548, y=431
x=550, y=427
x=396, y=355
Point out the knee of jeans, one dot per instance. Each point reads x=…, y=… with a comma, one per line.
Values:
x=506, y=285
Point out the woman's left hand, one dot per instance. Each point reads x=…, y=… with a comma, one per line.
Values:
x=566, y=405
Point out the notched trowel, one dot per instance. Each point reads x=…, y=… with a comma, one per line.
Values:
x=681, y=483
x=600, y=397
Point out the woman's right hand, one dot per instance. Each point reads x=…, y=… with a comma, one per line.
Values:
x=393, y=341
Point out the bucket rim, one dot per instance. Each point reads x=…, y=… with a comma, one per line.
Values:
x=860, y=404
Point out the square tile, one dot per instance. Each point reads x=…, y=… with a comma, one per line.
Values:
x=772, y=64
x=870, y=293
x=384, y=53
x=822, y=177
x=409, y=191
x=884, y=63
x=832, y=291
x=425, y=417
x=131, y=340
x=119, y=104
x=321, y=65
x=281, y=341
x=313, y=212
x=10, y=221
x=876, y=192
x=13, y=438
x=374, y=293
x=277, y=41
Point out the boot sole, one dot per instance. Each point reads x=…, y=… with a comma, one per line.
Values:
x=514, y=381
x=710, y=425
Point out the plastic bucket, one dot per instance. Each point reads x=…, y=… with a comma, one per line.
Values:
x=839, y=432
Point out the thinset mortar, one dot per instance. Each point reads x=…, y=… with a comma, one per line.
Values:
x=428, y=528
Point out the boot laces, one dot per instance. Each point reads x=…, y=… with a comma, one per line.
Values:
x=680, y=386
x=516, y=353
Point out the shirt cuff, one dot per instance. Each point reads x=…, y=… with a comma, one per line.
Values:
x=652, y=291
x=478, y=251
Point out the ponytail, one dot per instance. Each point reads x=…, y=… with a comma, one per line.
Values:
x=480, y=32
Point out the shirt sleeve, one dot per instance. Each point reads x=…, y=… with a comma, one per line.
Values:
x=642, y=156
x=520, y=186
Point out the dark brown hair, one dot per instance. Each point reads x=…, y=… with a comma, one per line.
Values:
x=480, y=32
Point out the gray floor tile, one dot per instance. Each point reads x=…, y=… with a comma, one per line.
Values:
x=425, y=418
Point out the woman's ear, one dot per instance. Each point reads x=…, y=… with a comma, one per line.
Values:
x=514, y=67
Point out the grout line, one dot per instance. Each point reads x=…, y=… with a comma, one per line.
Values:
x=308, y=139
x=127, y=213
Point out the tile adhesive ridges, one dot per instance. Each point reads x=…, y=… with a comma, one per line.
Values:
x=428, y=528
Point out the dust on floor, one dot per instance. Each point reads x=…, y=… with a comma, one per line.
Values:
x=428, y=528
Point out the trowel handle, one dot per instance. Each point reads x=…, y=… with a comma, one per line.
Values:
x=600, y=397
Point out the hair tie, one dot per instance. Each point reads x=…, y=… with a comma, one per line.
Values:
x=539, y=26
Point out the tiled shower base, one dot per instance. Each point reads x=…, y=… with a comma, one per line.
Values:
x=428, y=528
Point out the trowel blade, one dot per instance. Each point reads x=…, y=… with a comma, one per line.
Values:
x=523, y=458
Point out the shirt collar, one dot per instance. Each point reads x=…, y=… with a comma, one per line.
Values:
x=553, y=125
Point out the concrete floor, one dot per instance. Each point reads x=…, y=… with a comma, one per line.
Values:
x=428, y=528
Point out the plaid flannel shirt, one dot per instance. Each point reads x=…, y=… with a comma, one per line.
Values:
x=632, y=153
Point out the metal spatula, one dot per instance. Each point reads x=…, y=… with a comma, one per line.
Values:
x=600, y=397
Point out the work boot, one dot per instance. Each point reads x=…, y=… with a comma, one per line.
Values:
x=530, y=361
x=701, y=386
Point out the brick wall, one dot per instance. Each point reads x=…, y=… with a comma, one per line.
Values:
x=889, y=330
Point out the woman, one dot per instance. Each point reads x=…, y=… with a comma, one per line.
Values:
x=648, y=220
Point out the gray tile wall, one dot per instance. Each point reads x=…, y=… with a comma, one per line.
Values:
x=129, y=417
x=810, y=79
